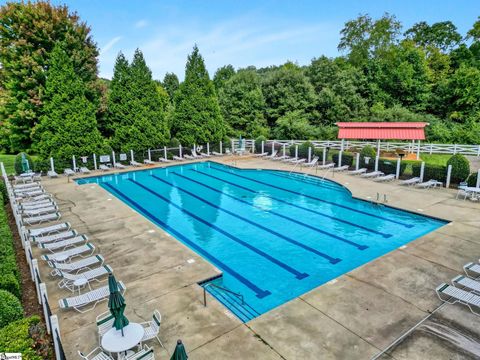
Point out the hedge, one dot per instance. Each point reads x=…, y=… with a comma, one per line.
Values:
x=369, y=152
x=10, y=308
x=472, y=180
x=18, y=163
x=258, y=144
x=9, y=274
x=390, y=166
x=16, y=338
x=347, y=158
x=460, y=168
x=431, y=172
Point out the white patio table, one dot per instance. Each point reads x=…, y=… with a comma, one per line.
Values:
x=114, y=342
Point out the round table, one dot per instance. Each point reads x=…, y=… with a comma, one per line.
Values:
x=79, y=283
x=113, y=341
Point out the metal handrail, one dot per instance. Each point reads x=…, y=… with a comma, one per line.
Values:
x=240, y=296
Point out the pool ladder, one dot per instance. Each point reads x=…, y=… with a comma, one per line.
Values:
x=240, y=296
x=377, y=202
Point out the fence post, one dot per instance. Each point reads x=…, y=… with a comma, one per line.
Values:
x=232, y=145
x=52, y=167
x=273, y=146
x=179, y=150
x=397, y=174
x=422, y=171
x=478, y=151
x=95, y=161
x=454, y=149
x=378, y=148
x=263, y=146
x=309, y=154
x=376, y=162
x=357, y=161
x=149, y=155
x=283, y=150
x=37, y=282
x=340, y=158
x=55, y=331
x=478, y=179
x=165, y=152
x=418, y=150
x=296, y=151
x=208, y=148
x=43, y=296
x=431, y=148
x=324, y=154
x=113, y=158
x=449, y=174
x=74, y=163
x=131, y=156
x=253, y=146
x=221, y=148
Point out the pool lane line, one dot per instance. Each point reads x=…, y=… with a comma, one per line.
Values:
x=259, y=292
x=299, y=275
x=312, y=197
x=275, y=233
x=295, y=205
x=358, y=246
x=311, y=181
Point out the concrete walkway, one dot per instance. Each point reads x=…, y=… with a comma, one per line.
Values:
x=352, y=317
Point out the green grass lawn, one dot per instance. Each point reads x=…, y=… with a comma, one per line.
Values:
x=436, y=159
x=8, y=161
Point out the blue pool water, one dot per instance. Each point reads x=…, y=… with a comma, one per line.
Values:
x=274, y=235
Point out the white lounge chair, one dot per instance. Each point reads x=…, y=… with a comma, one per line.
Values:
x=410, y=182
x=178, y=158
x=85, y=170
x=29, y=193
x=68, y=172
x=64, y=244
x=451, y=294
x=389, y=177
x=40, y=219
x=28, y=189
x=66, y=255
x=52, y=174
x=48, y=209
x=464, y=282
x=261, y=154
x=205, y=154
x=152, y=327
x=472, y=269
x=104, y=167
x=164, y=160
x=32, y=199
x=312, y=163
x=47, y=230
x=119, y=166
x=145, y=353
x=26, y=186
x=36, y=205
x=134, y=163
x=357, y=172
x=92, y=297
x=68, y=279
x=280, y=158
x=298, y=161
x=75, y=266
x=148, y=162
x=429, y=184
x=372, y=174
x=326, y=166
x=53, y=238
x=272, y=155
x=189, y=157
x=340, y=168
x=290, y=159
x=215, y=153
x=95, y=354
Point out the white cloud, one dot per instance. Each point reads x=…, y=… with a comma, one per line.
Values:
x=106, y=48
x=141, y=24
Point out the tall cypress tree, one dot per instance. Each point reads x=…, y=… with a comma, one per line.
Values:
x=197, y=117
x=170, y=84
x=138, y=119
x=117, y=101
x=68, y=125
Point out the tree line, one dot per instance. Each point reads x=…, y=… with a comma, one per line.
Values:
x=54, y=104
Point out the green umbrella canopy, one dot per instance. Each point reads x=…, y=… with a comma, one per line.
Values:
x=116, y=304
x=179, y=353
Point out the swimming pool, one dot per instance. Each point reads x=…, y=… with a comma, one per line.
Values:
x=274, y=235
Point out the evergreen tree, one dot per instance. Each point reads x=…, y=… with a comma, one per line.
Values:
x=170, y=84
x=138, y=118
x=197, y=117
x=222, y=75
x=242, y=104
x=118, y=96
x=68, y=125
x=28, y=34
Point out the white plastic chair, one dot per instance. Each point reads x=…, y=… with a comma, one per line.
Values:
x=152, y=328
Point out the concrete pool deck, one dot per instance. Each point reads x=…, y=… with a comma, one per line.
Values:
x=354, y=316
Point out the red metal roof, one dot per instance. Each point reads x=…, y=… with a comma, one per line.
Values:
x=382, y=130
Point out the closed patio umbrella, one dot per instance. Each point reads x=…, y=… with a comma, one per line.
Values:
x=179, y=353
x=116, y=304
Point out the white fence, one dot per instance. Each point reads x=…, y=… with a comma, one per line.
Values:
x=391, y=146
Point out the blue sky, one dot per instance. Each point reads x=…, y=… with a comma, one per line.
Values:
x=242, y=32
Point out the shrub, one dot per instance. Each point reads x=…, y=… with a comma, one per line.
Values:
x=3, y=192
x=258, y=144
x=18, y=163
x=472, y=180
x=460, y=168
x=10, y=308
x=16, y=338
x=431, y=172
x=390, y=166
x=303, y=149
x=367, y=151
x=347, y=158
x=319, y=152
